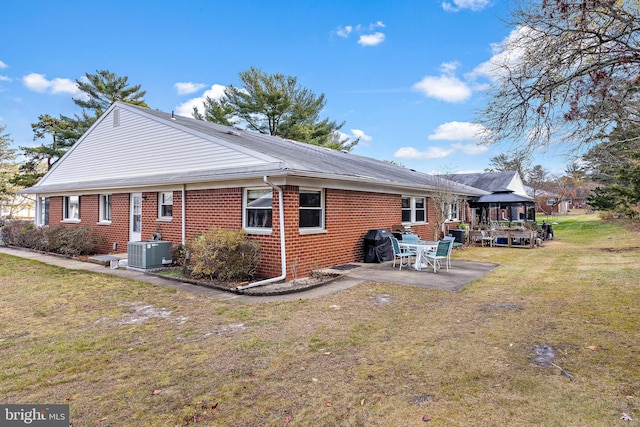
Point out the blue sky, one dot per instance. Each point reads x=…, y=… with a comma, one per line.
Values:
x=404, y=76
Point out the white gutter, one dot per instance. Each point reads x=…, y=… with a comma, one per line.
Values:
x=283, y=253
x=184, y=219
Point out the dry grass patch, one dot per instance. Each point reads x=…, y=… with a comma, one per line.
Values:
x=125, y=353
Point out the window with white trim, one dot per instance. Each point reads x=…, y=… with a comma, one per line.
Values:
x=311, y=208
x=551, y=202
x=43, y=213
x=105, y=208
x=453, y=213
x=165, y=204
x=414, y=209
x=71, y=208
x=258, y=208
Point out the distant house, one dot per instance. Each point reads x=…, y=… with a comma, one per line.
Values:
x=508, y=200
x=17, y=207
x=561, y=200
x=139, y=171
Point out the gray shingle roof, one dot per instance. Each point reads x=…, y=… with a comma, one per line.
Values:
x=301, y=158
x=283, y=157
x=488, y=181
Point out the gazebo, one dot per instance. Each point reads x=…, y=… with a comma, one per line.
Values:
x=503, y=205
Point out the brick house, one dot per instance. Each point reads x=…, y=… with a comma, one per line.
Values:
x=139, y=171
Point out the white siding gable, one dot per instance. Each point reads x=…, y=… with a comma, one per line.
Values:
x=137, y=145
x=517, y=185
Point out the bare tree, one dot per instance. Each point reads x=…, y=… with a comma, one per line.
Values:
x=444, y=198
x=568, y=72
x=538, y=179
x=515, y=161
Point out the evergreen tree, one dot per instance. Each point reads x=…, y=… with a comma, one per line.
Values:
x=277, y=105
x=101, y=90
x=104, y=88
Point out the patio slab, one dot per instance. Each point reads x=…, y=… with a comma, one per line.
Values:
x=461, y=274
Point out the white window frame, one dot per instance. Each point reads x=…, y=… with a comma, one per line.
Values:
x=163, y=196
x=551, y=201
x=68, y=213
x=245, y=208
x=104, y=208
x=454, y=211
x=42, y=211
x=414, y=209
x=320, y=227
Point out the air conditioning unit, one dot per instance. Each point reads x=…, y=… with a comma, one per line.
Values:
x=149, y=254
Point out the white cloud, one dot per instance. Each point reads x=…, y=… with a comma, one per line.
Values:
x=186, y=108
x=344, y=31
x=458, y=131
x=39, y=83
x=36, y=82
x=444, y=87
x=451, y=131
x=185, y=88
x=457, y=5
x=436, y=152
x=429, y=153
x=360, y=134
x=449, y=67
x=505, y=55
x=4, y=79
x=3, y=65
x=371, y=39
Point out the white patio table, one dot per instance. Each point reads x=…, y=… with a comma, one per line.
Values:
x=421, y=248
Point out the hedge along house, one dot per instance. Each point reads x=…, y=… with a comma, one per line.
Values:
x=139, y=171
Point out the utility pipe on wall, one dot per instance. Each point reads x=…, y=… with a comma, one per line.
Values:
x=283, y=253
x=184, y=215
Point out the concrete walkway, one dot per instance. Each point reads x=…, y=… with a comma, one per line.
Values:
x=462, y=273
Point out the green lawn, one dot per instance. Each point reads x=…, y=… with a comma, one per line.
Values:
x=125, y=353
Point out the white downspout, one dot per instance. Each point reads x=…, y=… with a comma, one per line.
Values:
x=184, y=212
x=283, y=253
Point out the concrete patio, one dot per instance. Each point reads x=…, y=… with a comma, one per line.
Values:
x=352, y=274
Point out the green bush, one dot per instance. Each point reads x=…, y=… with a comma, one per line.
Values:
x=72, y=241
x=226, y=255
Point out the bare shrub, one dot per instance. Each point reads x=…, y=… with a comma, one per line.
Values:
x=72, y=241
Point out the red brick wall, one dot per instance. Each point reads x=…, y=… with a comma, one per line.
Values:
x=349, y=215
